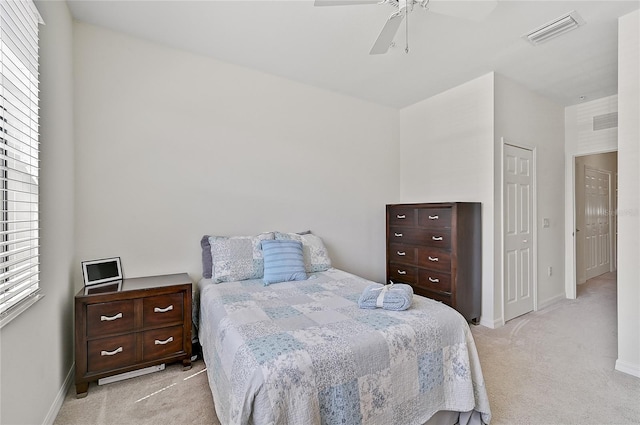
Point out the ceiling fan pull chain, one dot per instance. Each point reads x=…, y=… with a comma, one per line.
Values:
x=406, y=27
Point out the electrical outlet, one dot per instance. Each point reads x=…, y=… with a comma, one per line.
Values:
x=550, y=270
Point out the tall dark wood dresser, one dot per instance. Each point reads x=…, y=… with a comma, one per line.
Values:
x=436, y=248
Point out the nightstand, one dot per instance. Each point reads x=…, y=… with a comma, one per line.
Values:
x=143, y=322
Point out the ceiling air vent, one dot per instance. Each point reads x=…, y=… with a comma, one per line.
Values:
x=555, y=28
x=604, y=121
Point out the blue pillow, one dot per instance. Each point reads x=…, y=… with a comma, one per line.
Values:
x=283, y=261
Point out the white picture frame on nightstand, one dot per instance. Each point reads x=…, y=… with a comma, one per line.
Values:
x=105, y=270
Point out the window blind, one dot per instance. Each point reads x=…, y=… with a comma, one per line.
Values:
x=19, y=163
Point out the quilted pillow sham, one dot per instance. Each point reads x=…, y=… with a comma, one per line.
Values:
x=283, y=261
x=316, y=257
x=236, y=257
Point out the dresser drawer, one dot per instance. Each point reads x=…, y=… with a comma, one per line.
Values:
x=440, y=238
x=434, y=217
x=162, y=309
x=407, y=235
x=110, y=353
x=399, y=273
x=438, y=296
x=434, y=259
x=402, y=254
x=402, y=216
x=109, y=318
x=162, y=342
x=436, y=281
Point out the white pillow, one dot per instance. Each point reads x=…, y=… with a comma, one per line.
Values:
x=237, y=257
x=316, y=257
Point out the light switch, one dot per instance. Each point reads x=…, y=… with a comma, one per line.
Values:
x=545, y=222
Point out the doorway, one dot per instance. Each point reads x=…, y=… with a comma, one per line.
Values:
x=595, y=203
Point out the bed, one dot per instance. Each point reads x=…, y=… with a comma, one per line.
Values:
x=303, y=352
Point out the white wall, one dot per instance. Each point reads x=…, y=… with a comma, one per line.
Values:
x=451, y=150
x=37, y=346
x=581, y=139
x=446, y=155
x=629, y=194
x=171, y=146
x=526, y=119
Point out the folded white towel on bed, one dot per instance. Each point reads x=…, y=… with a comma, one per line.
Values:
x=396, y=296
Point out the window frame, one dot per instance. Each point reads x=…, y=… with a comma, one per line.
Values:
x=19, y=158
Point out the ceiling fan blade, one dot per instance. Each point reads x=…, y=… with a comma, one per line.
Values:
x=385, y=38
x=343, y=2
x=474, y=10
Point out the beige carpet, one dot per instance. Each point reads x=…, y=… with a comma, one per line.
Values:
x=171, y=396
x=554, y=366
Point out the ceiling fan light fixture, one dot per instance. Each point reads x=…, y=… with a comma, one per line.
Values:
x=555, y=28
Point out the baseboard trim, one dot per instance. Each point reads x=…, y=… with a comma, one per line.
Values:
x=491, y=324
x=546, y=303
x=57, y=403
x=628, y=368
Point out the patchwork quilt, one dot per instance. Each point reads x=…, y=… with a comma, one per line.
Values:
x=304, y=353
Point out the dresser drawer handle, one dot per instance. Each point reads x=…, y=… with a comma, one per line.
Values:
x=433, y=217
x=111, y=353
x=433, y=258
x=434, y=280
x=110, y=318
x=436, y=238
x=398, y=235
x=163, y=310
x=401, y=217
x=402, y=272
x=166, y=341
x=401, y=253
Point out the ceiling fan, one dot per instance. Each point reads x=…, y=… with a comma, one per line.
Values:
x=473, y=9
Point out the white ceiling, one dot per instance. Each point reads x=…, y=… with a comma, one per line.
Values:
x=328, y=47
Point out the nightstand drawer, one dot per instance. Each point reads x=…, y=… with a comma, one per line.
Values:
x=109, y=318
x=110, y=353
x=162, y=342
x=162, y=310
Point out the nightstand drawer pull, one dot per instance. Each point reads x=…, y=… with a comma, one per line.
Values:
x=110, y=318
x=436, y=238
x=163, y=310
x=433, y=258
x=433, y=217
x=166, y=341
x=402, y=272
x=111, y=353
x=431, y=279
x=401, y=253
x=398, y=235
x=401, y=217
